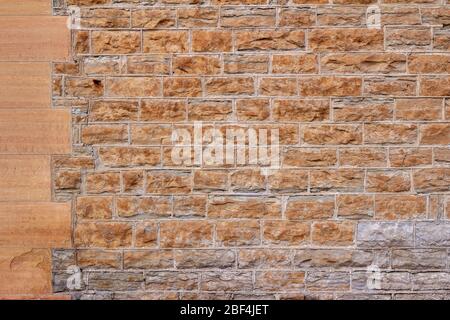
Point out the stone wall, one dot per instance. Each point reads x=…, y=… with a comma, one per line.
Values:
x=360, y=205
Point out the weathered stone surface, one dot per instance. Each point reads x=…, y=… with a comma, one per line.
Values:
x=419, y=258
x=280, y=280
x=431, y=180
x=342, y=180
x=345, y=39
x=196, y=65
x=363, y=157
x=170, y=280
x=243, y=207
x=288, y=180
x=301, y=110
x=385, y=234
x=363, y=109
x=330, y=86
x=264, y=258
x=309, y=208
x=101, y=259
x=337, y=258
x=115, y=281
x=333, y=233
x=251, y=17
x=363, y=63
x=133, y=207
x=294, y=63
x=328, y=281
x=388, y=181
x=179, y=234
x=388, y=281
x=355, y=206
x=148, y=259
x=430, y=234
x=270, y=40
x=286, y=233
x=400, y=207
x=165, y=41
x=115, y=42
x=108, y=234
x=198, y=259
x=94, y=207
x=309, y=157
x=226, y=281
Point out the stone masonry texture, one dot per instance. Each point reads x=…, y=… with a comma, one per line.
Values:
x=363, y=113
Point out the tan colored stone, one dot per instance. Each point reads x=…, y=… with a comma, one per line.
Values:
x=340, y=180
x=363, y=63
x=133, y=87
x=129, y=156
x=102, y=259
x=363, y=109
x=270, y=40
x=280, y=280
x=346, y=39
x=410, y=157
x=435, y=133
x=400, y=207
x=165, y=41
x=230, y=86
x=252, y=109
x=113, y=110
x=185, y=206
x=182, y=234
x=390, y=133
x=94, y=207
x=363, y=157
x=333, y=134
x=103, y=182
x=288, y=180
x=153, y=18
x=35, y=224
x=309, y=157
x=147, y=207
x=182, y=87
x=309, y=208
x=333, y=233
x=392, y=86
x=424, y=109
x=243, y=207
x=104, y=134
x=163, y=110
x=208, y=180
x=435, y=86
x=211, y=41
x=278, y=87
x=247, y=17
x=209, y=110
x=247, y=180
x=197, y=17
x=238, y=233
x=196, y=65
x=169, y=182
x=330, y=86
x=107, y=42
x=301, y=110
x=146, y=234
x=355, y=206
x=148, y=259
x=246, y=63
x=286, y=233
x=388, y=181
